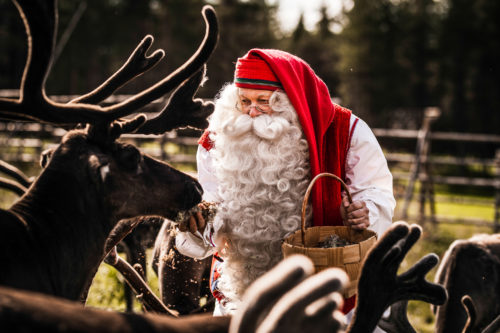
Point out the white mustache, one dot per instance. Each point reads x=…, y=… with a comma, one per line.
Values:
x=264, y=126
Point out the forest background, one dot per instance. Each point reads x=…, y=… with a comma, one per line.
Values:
x=384, y=59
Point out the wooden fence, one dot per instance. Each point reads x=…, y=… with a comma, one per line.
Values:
x=412, y=170
x=422, y=163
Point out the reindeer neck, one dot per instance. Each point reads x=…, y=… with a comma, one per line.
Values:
x=69, y=224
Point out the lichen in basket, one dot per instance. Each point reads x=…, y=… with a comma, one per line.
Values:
x=333, y=241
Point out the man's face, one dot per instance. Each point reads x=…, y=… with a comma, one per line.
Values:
x=254, y=102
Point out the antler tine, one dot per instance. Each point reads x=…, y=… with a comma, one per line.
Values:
x=13, y=186
x=192, y=65
x=182, y=110
x=15, y=173
x=493, y=327
x=470, y=308
x=261, y=296
x=137, y=64
x=137, y=283
x=42, y=15
x=34, y=104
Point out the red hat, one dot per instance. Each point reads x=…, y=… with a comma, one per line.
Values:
x=252, y=72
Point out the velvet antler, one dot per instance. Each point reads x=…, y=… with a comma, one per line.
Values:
x=379, y=284
x=40, y=20
x=132, y=277
x=290, y=299
x=182, y=109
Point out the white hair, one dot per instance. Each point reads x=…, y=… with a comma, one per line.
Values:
x=262, y=165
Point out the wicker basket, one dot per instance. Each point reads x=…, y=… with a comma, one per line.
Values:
x=349, y=258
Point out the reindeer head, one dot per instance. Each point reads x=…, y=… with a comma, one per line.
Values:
x=129, y=182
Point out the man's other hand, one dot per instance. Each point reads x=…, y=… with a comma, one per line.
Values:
x=355, y=215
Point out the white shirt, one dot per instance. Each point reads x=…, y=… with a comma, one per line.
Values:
x=367, y=177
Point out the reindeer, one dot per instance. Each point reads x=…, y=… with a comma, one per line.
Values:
x=471, y=269
x=182, y=280
x=134, y=244
x=52, y=239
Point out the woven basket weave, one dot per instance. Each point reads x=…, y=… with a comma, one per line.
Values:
x=349, y=258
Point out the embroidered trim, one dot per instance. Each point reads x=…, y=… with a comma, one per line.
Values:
x=258, y=82
x=350, y=135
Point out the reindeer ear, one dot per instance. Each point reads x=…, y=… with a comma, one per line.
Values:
x=99, y=167
x=45, y=157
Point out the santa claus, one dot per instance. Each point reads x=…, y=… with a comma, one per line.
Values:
x=273, y=129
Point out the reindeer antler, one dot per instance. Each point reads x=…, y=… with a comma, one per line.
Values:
x=40, y=20
x=137, y=64
x=15, y=173
x=182, y=110
x=470, y=325
x=379, y=285
x=289, y=298
x=132, y=277
x=13, y=186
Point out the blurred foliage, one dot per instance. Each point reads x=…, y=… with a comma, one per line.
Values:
x=385, y=59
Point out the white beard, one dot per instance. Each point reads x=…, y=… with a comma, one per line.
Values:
x=262, y=165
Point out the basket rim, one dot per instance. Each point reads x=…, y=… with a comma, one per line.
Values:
x=287, y=240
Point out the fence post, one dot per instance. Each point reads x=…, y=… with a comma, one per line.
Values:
x=496, y=221
x=421, y=161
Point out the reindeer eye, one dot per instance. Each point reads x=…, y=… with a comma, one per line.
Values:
x=130, y=158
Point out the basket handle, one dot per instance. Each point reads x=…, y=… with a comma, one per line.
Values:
x=308, y=192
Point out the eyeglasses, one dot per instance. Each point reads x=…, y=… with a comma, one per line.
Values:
x=245, y=108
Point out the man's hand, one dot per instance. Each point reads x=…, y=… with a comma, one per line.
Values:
x=355, y=215
x=195, y=222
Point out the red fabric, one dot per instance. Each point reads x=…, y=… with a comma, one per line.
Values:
x=214, y=279
x=325, y=126
x=254, y=73
x=349, y=304
x=335, y=147
x=205, y=141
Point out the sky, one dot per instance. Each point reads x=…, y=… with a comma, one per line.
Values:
x=289, y=11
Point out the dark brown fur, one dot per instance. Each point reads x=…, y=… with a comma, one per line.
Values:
x=470, y=267
x=22, y=311
x=182, y=280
